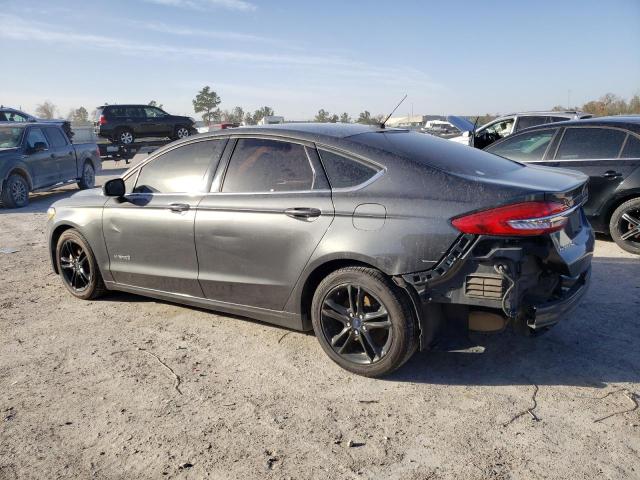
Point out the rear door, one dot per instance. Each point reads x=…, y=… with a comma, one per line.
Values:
x=267, y=211
x=150, y=234
x=595, y=151
x=64, y=154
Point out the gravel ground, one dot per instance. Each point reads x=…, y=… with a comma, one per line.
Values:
x=128, y=387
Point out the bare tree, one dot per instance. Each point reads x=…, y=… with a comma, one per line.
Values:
x=46, y=110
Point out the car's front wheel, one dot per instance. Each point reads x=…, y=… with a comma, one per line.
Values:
x=625, y=226
x=15, y=193
x=77, y=266
x=363, y=321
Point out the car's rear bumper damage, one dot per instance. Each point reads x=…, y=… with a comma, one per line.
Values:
x=530, y=283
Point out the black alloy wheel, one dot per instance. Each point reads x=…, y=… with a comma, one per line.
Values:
x=77, y=266
x=356, y=324
x=625, y=226
x=363, y=321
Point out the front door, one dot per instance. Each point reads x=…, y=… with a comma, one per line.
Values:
x=39, y=158
x=256, y=232
x=150, y=233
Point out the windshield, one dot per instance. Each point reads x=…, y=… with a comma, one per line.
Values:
x=10, y=137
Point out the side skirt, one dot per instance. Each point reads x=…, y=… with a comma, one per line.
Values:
x=282, y=319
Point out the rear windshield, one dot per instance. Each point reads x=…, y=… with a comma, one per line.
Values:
x=442, y=154
x=10, y=137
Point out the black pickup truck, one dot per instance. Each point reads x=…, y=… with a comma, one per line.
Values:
x=36, y=157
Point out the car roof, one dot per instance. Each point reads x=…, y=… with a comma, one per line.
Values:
x=561, y=113
x=308, y=131
x=631, y=122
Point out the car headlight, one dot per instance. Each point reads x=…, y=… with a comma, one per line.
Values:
x=51, y=212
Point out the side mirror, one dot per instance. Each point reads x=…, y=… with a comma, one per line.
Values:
x=39, y=147
x=114, y=188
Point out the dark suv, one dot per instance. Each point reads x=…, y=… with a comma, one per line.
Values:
x=608, y=150
x=124, y=123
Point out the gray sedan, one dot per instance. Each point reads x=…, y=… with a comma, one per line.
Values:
x=374, y=238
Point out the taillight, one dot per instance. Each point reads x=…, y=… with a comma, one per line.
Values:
x=103, y=120
x=518, y=219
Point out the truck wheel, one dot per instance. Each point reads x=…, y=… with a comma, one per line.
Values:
x=88, y=179
x=125, y=137
x=15, y=193
x=77, y=266
x=363, y=321
x=180, y=132
x=625, y=226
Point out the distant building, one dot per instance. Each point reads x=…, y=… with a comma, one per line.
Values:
x=412, y=121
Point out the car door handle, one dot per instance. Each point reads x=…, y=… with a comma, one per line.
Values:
x=179, y=207
x=302, y=212
x=611, y=174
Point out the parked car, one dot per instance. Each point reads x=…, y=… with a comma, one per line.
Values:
x=607, y=149
x=124, y=123
x=371, y=237
x=505, y=125
x=12, y=115
x=36, y=156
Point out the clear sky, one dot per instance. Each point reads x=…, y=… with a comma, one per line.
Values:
x=463, y=57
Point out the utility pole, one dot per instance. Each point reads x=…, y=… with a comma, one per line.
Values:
x=569, y=99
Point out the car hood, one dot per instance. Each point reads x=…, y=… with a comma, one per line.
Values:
x=461, y=123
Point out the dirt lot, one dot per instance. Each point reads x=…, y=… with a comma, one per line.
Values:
x=89, y=389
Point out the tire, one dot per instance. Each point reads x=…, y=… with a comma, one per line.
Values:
x=88, y=179
x=371, y=347
x=77, y=266
x=624, y=226
x=125, y=136
x=15, y=193
x=180, y=132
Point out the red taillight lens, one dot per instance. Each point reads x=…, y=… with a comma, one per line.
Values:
x=103, y=120
x=526, y=218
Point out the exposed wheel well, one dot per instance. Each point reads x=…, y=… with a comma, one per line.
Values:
x=55, y=236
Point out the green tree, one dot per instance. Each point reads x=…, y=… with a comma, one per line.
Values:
x=206, y=102
x=334, y=118
x=322, y=116
x=46, y=110
x=365, y=118
x=236, y=115
x=261, y=113
x=79, y=116
x=345, y=118
x=153, y=103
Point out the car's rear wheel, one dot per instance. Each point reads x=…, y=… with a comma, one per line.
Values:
x=181, y=132
x=77, y=266
x=88, y=179
x=125, y=137
x=363, y=321
x=625, y=226
x=15, y=193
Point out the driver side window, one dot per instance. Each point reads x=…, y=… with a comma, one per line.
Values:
x=34, y=136
x=501, y=129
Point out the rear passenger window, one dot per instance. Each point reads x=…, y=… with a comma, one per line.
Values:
x=590, y=143
x=344, y=172
x=632, y=148
x=259, y=166
x=56, y=138
x=181, y=170
x=526, y=122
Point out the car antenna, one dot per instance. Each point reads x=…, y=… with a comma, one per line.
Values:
x=382, y=125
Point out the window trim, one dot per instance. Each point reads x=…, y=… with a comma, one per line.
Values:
x=601, y=127
x=219, y=181
x=624, y=145
x=381, y=169
x=515, y=135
